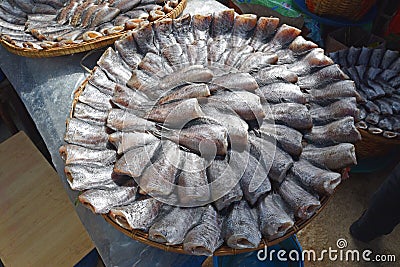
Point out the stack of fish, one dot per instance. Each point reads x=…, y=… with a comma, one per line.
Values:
x=376, y=74
x=42, y=24
x=209, y=129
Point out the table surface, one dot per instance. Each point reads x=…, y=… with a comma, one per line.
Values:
x=46, y=87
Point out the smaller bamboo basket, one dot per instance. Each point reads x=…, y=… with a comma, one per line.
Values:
x=82, y=47
x=373, y=145
x=349, y=9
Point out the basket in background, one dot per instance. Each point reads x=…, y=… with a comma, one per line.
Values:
x=349, y=9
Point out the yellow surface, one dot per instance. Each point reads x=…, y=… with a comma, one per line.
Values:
x=38, y=225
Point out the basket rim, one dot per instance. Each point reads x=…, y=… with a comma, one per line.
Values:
x=85, y=45
x=377, y=138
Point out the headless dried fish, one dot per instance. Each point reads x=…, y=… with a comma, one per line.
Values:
x=144, y=37
x=273, y=74
x=144, y=82
x=254, y=169
x=281, y=92
x=337, y=110
x=328, y=74
x=314, y=59
x=245, y=104
x=384, y=107
x=128, y=141
x=342, y=57
x=100, y=80
x=272, y=157
x=387, y=74
x=263, y=31
x=241, y=227
x=320, y=180
x=215, y=49
x=394, y=104
x=222, y=23
x=303, y=203
x=385, y=124
x=236, y=54
x=101, y=201
x=334, y=157
x=282, y=38
x=155, y=64
x=192, y=180
x=83, y=177
x=175, y=55
x=125, y=121
x=66, y=12
x=197, y=53
x=172, y=227
x=236, y=81
x=395, y=65
x=333, y=91
x=187, y=91
x=134, y=161
x=371, y=107
x=340, y=131
x=138, y=215
x=236, y=127
x=127, y=98
x=127, y=49
x=376, y=57
x=69, y=36
x=125, y=5
x=10, y=26
x=88, y=114
x=242, y=29
x=300, y=118
x=256, y=61
x=274, y=221
x=182, y=30
x=10, y=18
x=225, y=188
x=112, y=64
x=201, y=24
x=289, y=139
x=73, y=154
x=372, y=118
x=205, y=237
x=9, y=8
x=364, y=57
x=94, y=98
x=353, y=55
x=300, y=46
x=163, y=33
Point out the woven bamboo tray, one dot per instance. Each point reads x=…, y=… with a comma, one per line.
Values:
x=84, y=46
x=374, y=145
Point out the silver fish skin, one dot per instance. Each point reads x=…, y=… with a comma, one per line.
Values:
x=194, y=189
x=175, y=56
x=333, y=91
x=73, y=154
x=237, y=128
x=125, y=121
x=236, y=54
x=376, y=57
x=202, y=135
x=387, y=74
x=197, y=53
x=281, y=92
x=256, y=61
x=184, y=92
x=144, y=37
x=88, y=15
x=300, y=118
x=222, y=23
x=340, y=131
x=85, y=134
x=173, y=226
x=12, y=9
x=125, y=5
x=242, y=29
x=371, y=107
x=186, y=75
x=245, y=104
x=200, y=26
x=155, y=65
x=394, y=104
x=112, y=64
x=163, y=32
x=137, y=215
x=100, y=80
x=83, y=177
x=273, y=74
x=128, y=141
x=395, y=65
x=183, y=30
x=263, y=31
x=373, y=118
x=385, y=124
x=288, y=138
x=101, y=201
x=385, y=107
x=205, y=238
x=275, y=160
x=66, y=11
x=301, y=46
x=144, y=82
x=236, y=81
x=94, y=98
x=240, y=228
x=274, y=221
x=282, y=38
x=134, y=162
x=302, y=202
x=337, y=110
x=215, y=49
x=254, y=168
x=90, y=115
x=330, y=73
x=105, y=14
x=319, y=180
x=314, y=59
x=175, y=114
x=334, y=157
x=353, y=55
x=225, y=187
x=127, y=98
x=158, y=179
x=127, y=49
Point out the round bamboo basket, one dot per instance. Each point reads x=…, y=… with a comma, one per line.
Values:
x=350, y=9
x=82, y=47
x=372, y=145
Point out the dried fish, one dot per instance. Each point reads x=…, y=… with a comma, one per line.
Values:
x=281, y=92
x=127, y=141
x=300, y=118
x=337, y=110
x=73, y=154
x=114, y=66
x=125, y=121
x=85, y=134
